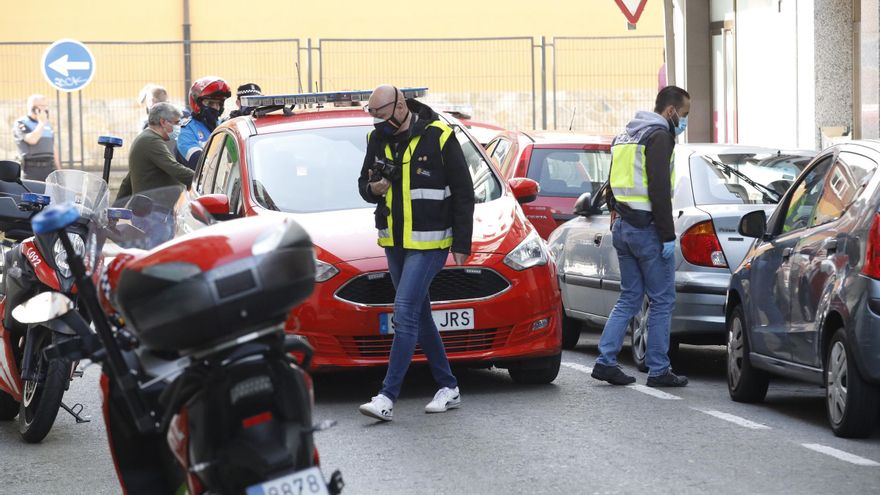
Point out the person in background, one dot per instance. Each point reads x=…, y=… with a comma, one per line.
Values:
x=206, y=98
x=248, y=89
x=149, y=95
x=35, y=139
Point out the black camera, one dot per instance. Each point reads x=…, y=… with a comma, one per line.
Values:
x=384, y=169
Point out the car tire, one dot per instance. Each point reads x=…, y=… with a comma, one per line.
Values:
x=851, y=403
x=571, y=332
x=8, y=407
x=638, y=338
x=539, y=371
x=745, y=383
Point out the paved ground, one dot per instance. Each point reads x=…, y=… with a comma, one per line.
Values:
x=575, y=436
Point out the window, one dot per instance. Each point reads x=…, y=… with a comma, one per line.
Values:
x=845, y=180
x=228, y=175
x=713, y=184
x=486, y=185
x=801, y=208
x=208, y=170
x=500, y=151
x=569, y=172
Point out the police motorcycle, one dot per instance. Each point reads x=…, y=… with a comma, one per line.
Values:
x=201, y=389
x=31, y=384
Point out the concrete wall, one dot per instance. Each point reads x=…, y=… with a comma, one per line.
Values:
x=869, y=44
x=834, y=64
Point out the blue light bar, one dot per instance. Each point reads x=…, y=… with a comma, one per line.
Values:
x=35, y=199
x=319, y=98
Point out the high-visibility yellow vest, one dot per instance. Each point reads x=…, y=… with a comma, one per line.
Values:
x=429, y=198
x=629, y=176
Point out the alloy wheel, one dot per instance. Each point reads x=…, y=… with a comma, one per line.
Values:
x=640, y=335
x=735, y=352
x=836, y=385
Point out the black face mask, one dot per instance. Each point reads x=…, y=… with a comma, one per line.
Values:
x=210, y=117
x=389, y=126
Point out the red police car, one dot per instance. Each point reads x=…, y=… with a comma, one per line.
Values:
x=501, y=308
x=565, y=164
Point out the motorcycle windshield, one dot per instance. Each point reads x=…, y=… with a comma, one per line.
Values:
x=157, y=216
x=87, y=192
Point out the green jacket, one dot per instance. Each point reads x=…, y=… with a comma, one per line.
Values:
x=151, y=165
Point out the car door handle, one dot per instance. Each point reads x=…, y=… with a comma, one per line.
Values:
x=830, y=245
x=597, y=240
x=786, y=253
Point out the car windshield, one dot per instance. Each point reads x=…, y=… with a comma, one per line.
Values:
x=569, y=172
x=712, y=183
x=317, y=169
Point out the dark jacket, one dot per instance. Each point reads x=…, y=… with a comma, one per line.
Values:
x=151, y=166
x=431, y=167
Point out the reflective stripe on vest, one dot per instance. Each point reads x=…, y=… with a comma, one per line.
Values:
x=439, y=239
x=629, y=176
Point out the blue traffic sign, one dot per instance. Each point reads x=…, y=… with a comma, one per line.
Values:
x=68, y=65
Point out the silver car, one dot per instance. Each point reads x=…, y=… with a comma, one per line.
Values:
x=715, y=185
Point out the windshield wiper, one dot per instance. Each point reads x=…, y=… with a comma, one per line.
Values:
x=774, y=196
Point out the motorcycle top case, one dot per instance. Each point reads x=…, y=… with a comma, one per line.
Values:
x=217, y=283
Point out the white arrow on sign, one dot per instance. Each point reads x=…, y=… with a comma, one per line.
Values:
x=62, y=65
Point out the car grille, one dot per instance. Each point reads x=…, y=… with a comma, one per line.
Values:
x=450, y=285
x=455, y=341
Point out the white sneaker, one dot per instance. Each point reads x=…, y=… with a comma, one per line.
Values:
x=380, y=407
x=446, y=398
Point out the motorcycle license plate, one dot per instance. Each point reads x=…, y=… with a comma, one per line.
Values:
x=445, y=319
x=306, y=482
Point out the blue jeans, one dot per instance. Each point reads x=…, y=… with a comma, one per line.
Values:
x=642, y=270
x=412, y=272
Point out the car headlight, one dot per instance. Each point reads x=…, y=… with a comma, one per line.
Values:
x=79, y=246
x=324, y=271
x=530, y=252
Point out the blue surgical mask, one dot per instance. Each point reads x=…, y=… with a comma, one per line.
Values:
x=682, y=125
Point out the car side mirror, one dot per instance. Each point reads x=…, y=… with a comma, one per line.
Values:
x=10, y=171
x=215, y=204
x=524, y=190
x=753, y=224
x=584, y=205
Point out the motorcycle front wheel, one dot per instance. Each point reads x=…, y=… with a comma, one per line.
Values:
x=41, y=399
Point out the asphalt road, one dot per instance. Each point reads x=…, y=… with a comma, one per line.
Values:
x=574, y=436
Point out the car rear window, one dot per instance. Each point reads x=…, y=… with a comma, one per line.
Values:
x=568, y=172
x=317, y=169
x=712, y=184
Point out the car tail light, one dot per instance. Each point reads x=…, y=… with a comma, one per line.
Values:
x=872, y=252
x=523, y=166
x=700, y=246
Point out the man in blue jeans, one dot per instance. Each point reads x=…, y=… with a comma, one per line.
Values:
x=416, y=174
x=642, y=183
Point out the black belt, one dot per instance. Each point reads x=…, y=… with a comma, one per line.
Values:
x=48, y=159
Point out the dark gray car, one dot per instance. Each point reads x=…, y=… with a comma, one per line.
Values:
x=805, y=302
x=715, y=185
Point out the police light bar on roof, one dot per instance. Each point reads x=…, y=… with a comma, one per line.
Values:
x=319, y=98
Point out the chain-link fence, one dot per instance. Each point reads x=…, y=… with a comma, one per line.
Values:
x=599, y=83
x=493, y=76
x=586, y=84
x=108, y=105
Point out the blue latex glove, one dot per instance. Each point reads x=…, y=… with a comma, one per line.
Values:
x=668, y=249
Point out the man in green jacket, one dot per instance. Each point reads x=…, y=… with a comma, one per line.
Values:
x=150, y=164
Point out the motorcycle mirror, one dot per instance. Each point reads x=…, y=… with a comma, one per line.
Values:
x=43, y=307
x=10, y=171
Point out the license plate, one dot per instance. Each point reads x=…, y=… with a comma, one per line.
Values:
x=445, y=319
x=306, y=482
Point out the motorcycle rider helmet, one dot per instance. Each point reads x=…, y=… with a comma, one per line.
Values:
x=207, y=87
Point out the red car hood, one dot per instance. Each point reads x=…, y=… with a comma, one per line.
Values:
x=348, y=235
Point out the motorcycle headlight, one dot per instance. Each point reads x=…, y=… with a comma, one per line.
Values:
x=530, y=252
x=324, y=271
x=79, y=246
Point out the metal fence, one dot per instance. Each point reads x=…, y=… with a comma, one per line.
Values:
x=586, y=84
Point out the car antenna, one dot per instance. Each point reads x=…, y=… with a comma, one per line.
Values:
x=571, y=124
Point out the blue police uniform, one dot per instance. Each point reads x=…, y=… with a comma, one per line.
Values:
x=192, y=140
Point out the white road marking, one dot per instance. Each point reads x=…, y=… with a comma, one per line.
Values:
x=653, y=392
x=734, y=419
x=839, y=454
x=639, y=388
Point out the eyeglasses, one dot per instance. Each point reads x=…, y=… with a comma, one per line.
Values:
x=373, y=111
